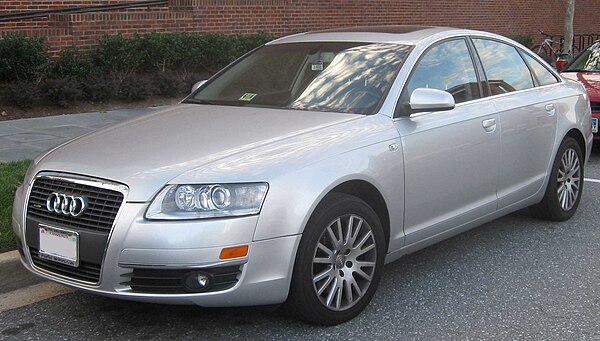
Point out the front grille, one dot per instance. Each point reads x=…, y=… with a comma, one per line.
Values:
x=93, y=226
x=103, y=204
x=595, y=106
x=88, y=272
x=171, y=281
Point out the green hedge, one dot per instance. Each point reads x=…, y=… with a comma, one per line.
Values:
x=120, y=68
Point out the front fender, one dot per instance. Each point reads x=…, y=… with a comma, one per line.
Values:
x=294, y=196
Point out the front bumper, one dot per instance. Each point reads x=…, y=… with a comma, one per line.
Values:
x=136, y=243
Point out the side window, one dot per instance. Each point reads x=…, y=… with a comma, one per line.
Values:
x=543, y=76
x=447, y=66
x=505, y=69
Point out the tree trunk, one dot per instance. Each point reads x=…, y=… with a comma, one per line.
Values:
x=568, y=43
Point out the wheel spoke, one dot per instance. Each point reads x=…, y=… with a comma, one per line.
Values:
x=563, y=202
x=356, y=232
x=348, y=290
x=363, y=274
x=360, y=252
x=363, y=240
x=334, y=238
x=322, y=274
x=325, y=249
x=365, y=264
x=356, y=287
x=322, y=261
x=325, y=285
x=571, y=197
x=339, y=292
x=338, y=223
x=332, y=290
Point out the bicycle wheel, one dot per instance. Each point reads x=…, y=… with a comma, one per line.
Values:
x=544, y=52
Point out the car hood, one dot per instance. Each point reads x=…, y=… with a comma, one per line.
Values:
x=147, y=152
x=591, y=81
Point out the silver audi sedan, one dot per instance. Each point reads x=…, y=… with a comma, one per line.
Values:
x=295, y=173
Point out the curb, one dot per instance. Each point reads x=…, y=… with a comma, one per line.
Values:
x=9, y=256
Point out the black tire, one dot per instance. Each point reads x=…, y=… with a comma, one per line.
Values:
x=304, y=300
x=552, y=207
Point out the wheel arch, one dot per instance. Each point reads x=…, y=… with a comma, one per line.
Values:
x=578, y=136
x=368, y=193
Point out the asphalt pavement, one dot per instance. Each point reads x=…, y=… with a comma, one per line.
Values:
x=514, y=278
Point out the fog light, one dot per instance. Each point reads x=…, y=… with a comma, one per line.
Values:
x=197, y=281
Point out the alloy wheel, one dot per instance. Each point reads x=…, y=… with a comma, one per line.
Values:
x=569, y=179
x=344, y=262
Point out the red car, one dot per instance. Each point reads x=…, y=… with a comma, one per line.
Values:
x=586, y=69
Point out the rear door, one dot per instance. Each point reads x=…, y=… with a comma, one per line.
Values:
x=523, y=94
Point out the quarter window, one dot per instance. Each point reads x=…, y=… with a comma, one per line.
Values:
x=447, y=66
x=505, y=69
x=544, y=77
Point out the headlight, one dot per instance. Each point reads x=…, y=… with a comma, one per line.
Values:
x=207, y=201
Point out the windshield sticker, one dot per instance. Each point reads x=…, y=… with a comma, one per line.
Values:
x=317, y=67
x=248, y=96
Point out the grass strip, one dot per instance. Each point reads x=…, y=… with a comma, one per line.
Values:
x=11, y=177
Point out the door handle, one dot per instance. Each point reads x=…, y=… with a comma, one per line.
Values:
x=550, y=109
x=489, y=125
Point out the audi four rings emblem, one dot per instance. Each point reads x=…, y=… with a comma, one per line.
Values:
x=66, y=204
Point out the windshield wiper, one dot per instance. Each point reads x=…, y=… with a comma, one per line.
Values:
x=199, y=101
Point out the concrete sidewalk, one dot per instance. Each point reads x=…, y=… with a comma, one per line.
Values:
x=27, y=138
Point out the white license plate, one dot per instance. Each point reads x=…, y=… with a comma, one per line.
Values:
x=59, y=245
x=594, y=125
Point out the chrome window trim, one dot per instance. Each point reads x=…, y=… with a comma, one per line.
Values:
x=477, y=100
x=80, y=180
x=389, y=106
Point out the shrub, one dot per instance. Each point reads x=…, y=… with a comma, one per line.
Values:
x=24, y=95
x=248, y=42
x=61, y=92
x=99, y=89
x=130, y=69
x=71, y=64
x=134, y=88
x=118, y=55
x=21, y=58
x=168, y=84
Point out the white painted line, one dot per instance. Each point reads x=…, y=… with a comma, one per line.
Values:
x=35, y=293
x=592, y=180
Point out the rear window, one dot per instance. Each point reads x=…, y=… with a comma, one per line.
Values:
x=506, y=71
x=543, y=76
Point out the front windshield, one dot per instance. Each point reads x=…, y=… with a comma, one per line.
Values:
x=588, y=60
x=321, y=76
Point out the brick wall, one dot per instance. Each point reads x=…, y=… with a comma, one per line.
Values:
x=508, y=17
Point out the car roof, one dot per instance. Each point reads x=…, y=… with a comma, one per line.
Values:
x=406, y=34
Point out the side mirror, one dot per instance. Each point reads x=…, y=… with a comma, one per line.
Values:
x=197, y=85
x=423, y=99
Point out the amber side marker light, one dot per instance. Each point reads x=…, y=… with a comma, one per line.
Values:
x=234, y=252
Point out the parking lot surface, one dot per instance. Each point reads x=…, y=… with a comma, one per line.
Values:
x=514, y=278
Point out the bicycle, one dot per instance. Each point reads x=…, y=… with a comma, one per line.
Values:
x=547, y=51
